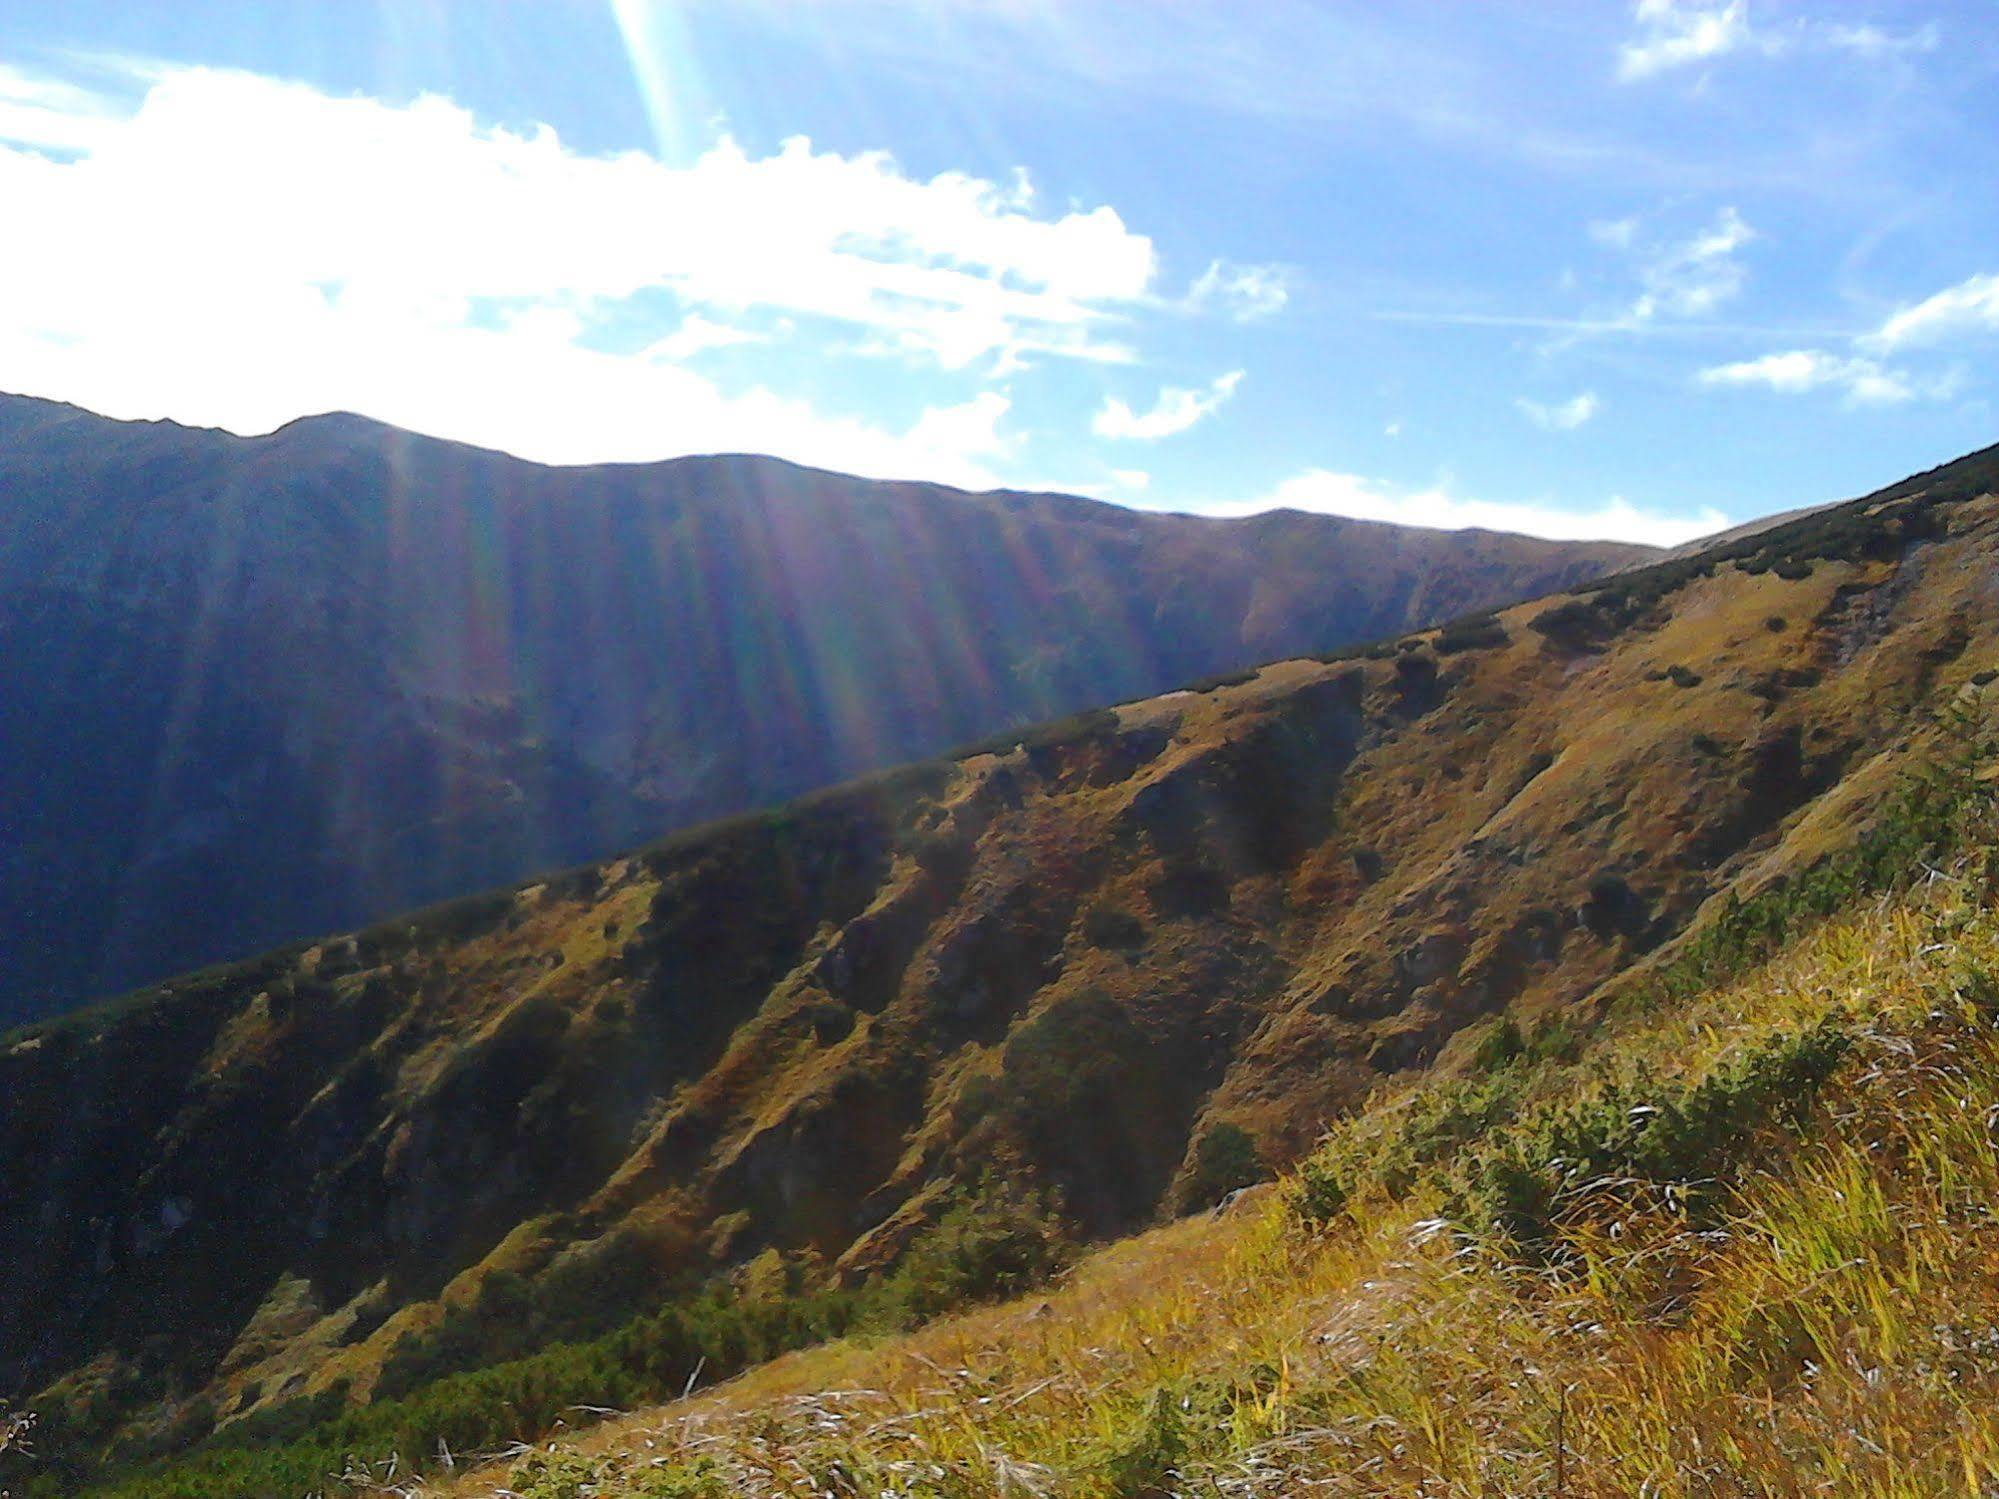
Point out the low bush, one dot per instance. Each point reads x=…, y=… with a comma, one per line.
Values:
x=1112, y=927
x=1481, y=632
x=1573, y=624
x=1390, y=1150
x=1685, y=1138
x=1225, y=1160
x=1943, y=806
x=992, y=1240
x=1147, y=1459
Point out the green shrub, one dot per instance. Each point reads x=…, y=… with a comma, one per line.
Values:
x=545, y=1475
x=1391, y=1150
x=1481, y=632
x=1225, y=1160
x=1147, y=1461
x=1114, y=928
x=1942, y=806
x=1573, y=624
x=679, y=1481
x=1500, y=1046
x=1687, y=1136
x=1512, y=1170
x=995, y=1240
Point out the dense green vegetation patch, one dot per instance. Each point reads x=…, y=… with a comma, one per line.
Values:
x=990, y=1241
x=1480, y=632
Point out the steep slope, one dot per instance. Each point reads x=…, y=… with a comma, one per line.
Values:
x=261, y=689
x=1080, y=959
x=1801, y=1304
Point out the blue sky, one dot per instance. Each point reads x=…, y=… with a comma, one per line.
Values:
x=1578, y=269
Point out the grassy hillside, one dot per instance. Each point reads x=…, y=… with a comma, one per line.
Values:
x=842, y=1068
x=1736, y=1240
x=1793, y=1296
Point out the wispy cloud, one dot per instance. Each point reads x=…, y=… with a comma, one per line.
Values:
x=1614, y=234
x=697, y=335
x=1561, y=416
x=1862, y=381
x=1971, y=306
x=1693, y=277
x=1174, y=412
x=1682, y=282
x=1618, y=323
x=1870, y=41
x=1331, y=493
x=51, y=114
x=1680, y=33
x=1675, y=33
x=1245, y=292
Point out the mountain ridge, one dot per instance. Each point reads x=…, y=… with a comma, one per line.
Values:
x=274, y=686
x=359, y=423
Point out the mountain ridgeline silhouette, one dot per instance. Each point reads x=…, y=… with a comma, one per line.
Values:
x=262, y=688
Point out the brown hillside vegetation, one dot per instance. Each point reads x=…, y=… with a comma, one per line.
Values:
x=1129, y=959
x=258, y=689
x=1822, y=1326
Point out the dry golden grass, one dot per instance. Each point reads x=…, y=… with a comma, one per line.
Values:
x=1835, y=1332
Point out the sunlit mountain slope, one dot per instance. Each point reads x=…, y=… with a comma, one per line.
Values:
x=1123, y=960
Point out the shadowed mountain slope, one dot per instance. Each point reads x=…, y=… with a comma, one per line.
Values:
x=258, y=689
x=1072, y=958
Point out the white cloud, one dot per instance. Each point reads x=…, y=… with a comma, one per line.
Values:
x=1674, y=33
x=1614, y=234
x=1971, y=306
x=1870, y=41
x=1562, y=416
x=1694, y=277
x=1361, y=498
x=1174, y=412
x=1131, y=480
x=1678, y=33
x=1245, y=292
x=49, y=113
x=235, y=250
x=1682, y=282
x=1863, y=381
x=697, y=335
